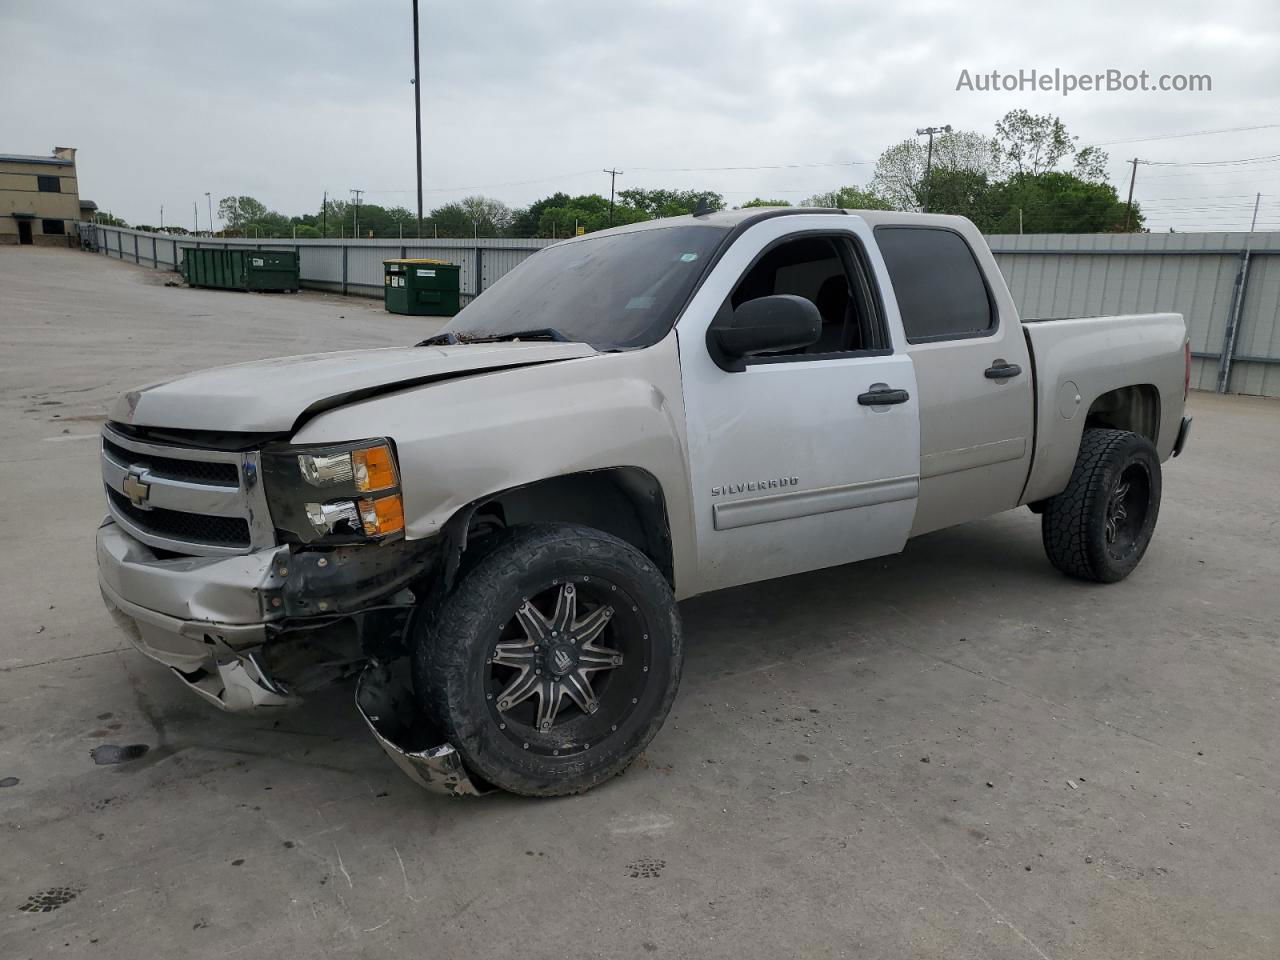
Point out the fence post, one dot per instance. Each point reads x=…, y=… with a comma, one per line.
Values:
x=1232, y=331
x=155, y=255
x=479, y=269
x=344, y=269
x=120, y=244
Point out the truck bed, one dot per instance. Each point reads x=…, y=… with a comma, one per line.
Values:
x=1095, y=357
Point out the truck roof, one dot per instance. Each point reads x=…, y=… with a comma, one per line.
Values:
x=740, y=219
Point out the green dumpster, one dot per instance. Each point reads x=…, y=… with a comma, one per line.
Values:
x=241, y=269
x=421, y=288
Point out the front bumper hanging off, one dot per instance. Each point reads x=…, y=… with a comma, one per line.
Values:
x=385, y=702
x=201, y=617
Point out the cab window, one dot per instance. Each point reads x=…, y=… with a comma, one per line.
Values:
x=827, y=271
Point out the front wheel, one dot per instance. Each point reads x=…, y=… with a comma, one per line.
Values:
x=554, y=661
x=1099, y=527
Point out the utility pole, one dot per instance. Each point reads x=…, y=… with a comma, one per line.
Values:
x=417, y=113
x=162, y=216
x=613, y=178
x=1128, y=210
x=210, y=199
x=355, y=228
x=195, y=216
x=324, y=216
x=1232, y=333
x=928, y=161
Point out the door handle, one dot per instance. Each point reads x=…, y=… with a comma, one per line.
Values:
x=882, y=395
x=1002, y=371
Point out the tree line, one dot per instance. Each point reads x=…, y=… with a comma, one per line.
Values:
x=1028, y=175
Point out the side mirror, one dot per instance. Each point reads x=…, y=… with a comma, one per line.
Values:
x=769, y=325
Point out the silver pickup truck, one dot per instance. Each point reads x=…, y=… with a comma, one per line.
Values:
x=493, y=527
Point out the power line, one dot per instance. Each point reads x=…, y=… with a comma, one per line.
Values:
x=768, y=166
x=1269, y=158
x=1179, y=136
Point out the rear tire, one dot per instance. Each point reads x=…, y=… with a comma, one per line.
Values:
x=554, y=661
x=1099, y=527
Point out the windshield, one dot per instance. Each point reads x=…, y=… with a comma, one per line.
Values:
x=615, y=290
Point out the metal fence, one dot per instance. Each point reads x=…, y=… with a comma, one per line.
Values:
x=351, y=267
x=1226, y=284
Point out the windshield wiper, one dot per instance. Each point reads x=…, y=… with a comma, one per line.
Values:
x=539, y=333
x=448, y=338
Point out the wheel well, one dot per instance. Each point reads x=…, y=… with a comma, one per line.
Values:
x=626, y=502
x=1135, y=408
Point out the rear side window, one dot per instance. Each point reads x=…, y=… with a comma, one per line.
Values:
x=940, y=289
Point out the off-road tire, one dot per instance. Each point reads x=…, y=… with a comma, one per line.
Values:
x=451, y=653
x=1074, y=525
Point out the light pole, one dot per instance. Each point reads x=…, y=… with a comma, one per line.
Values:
x=210, y=199
x=417, y=112
x=928, y=162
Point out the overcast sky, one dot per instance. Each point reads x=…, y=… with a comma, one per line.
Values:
x=282, y=100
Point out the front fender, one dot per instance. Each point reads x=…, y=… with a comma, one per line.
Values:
x=463, y=440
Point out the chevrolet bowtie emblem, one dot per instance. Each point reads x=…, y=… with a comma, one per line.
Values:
x=136, y=490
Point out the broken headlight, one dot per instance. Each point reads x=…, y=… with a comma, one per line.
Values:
x=343, y=493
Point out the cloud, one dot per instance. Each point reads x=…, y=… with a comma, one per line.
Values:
x=284, y=100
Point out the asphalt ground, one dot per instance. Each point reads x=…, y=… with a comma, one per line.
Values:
x=952, y=753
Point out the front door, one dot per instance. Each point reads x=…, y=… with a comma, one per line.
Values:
x=793, y=466
x=24, y=232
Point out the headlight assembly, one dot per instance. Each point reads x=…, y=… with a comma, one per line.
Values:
x=342, y=493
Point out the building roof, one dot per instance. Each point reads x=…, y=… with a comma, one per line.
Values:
x=23, y=158
x=88, y=205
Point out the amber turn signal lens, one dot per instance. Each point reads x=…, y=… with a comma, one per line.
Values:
x=383, y=516
x=374, y=469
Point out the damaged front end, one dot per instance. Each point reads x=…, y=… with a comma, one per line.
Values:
x=385, y=700
x=263, y=630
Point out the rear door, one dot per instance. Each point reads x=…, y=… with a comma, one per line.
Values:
x=792, y=468
x=973, y=371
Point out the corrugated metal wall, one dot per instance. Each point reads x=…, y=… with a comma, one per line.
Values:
x=1050, y=275
x=1195, y=274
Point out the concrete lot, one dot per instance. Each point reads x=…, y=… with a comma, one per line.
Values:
x=952, y=753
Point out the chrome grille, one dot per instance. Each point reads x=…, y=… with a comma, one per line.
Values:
x=171, y=468
x=187, y=527
x=192, y=501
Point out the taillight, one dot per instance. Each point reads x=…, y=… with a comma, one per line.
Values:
x=1186, y=380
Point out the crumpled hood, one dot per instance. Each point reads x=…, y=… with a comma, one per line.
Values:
x=268, y=396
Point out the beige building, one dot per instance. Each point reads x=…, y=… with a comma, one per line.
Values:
x=39, y=198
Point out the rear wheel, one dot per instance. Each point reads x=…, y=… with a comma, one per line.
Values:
x=554, y=661
x=1099, y=527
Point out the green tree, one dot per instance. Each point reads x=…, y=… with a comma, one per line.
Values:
x=964, y=193
x=525, y=222
x=1056, y=202
x=669, y=203
x=758, y=202
x=900, y=170
x=848, y=198
x=109, y=219
x=589, y=211
x=235, y=212
x=1033, y=143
